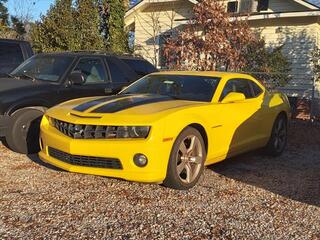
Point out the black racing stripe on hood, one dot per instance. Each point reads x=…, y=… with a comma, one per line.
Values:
x=130, y=102
x=85, y=106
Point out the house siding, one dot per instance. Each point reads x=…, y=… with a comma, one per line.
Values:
x=144, y=35
x=284, y=6
x=278, y=6
x=299, y=36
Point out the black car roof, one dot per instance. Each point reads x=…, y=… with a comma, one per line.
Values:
x=12, y=40
x=90, y=53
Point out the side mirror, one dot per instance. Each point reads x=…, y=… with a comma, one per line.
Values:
x=76, y=78
x=233, y=97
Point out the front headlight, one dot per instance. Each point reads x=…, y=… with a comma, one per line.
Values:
x=132, y=132
x=50, y=120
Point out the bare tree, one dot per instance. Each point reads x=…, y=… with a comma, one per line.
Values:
x=154, y=28
x=212, y=39
x=149, y=22
x=23, y=9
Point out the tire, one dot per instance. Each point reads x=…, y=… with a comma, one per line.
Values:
x=278, y=139
x=183, y=174
x=23, y=131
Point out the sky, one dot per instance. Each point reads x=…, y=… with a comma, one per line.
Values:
x=41, y=6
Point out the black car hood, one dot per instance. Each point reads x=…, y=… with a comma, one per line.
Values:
x=12, y=83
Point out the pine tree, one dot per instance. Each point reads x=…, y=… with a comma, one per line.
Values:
x=10, y=29
x=18, y=27
x=118, y=37
x=4, y=15
x=69, y=26
x=88, y=25
x=4, y=19
x=55, y=31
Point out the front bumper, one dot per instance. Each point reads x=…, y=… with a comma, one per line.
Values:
x=154, y=148
x=4, y=121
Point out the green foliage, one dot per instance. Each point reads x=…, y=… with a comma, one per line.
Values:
x=260, y=59
x=118, y=41
x=56, y=30
x=87, y=25
x=82, y=25
x=316, y=63
x=4, y=15
x=14, y=28
x=18, y=27
x=69, y=26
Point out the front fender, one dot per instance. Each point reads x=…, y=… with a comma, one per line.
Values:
x=175, y=123
x=39, y=104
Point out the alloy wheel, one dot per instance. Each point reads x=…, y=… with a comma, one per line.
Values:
x=189, y=159
x=280, y=135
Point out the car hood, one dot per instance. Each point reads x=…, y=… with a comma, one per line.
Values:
x=119, y=108
x=12, y=83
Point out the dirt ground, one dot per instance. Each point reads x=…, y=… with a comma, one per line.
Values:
x=248, y=197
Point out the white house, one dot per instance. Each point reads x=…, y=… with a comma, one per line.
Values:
x=292, y=23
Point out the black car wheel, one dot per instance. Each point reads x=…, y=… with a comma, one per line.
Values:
x=186, y=160
x=23, y=131
x=279, y=135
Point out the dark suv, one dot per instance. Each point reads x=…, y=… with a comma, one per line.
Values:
x=45, y=80
x=12, y=54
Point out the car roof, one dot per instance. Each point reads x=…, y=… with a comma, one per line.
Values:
x=90, y=53
x=207, y=73
x=12, y=40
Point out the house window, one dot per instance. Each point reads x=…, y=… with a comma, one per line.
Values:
x=263, y=5
x=232, y=7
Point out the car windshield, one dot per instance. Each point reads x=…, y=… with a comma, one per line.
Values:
x=43, y=67
x=182, y=87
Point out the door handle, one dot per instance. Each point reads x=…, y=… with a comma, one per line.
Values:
x=108, y=90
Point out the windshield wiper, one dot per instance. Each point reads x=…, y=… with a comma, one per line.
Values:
x=125, y=93
x=172, y=96
x=10, y=75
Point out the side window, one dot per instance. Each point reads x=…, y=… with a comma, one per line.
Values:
x=238, y=86
x=138, y=66
x=232, y=7
x=141, y=67
x=256, y=89
x=263, y=5
x=11, y=55
x=92, y=70
x=120, y=72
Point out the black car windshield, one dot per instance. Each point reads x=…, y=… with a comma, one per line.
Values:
x=182, y=87
x=43, y=67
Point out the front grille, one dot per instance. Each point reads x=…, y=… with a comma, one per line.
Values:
x=85, y=161
x=81, y=131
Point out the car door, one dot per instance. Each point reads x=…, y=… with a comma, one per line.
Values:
x=240, y=121
x=96, y=79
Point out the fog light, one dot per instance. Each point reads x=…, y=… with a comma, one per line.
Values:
x=140, y=160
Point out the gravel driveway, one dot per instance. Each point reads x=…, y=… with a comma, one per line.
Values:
x=247, y=197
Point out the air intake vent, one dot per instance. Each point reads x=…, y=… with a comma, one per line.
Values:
x=81, y=131
x=85, y=161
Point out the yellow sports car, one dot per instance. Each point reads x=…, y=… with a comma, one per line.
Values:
x=165, y=127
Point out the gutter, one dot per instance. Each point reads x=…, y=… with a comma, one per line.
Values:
x=273, y=15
